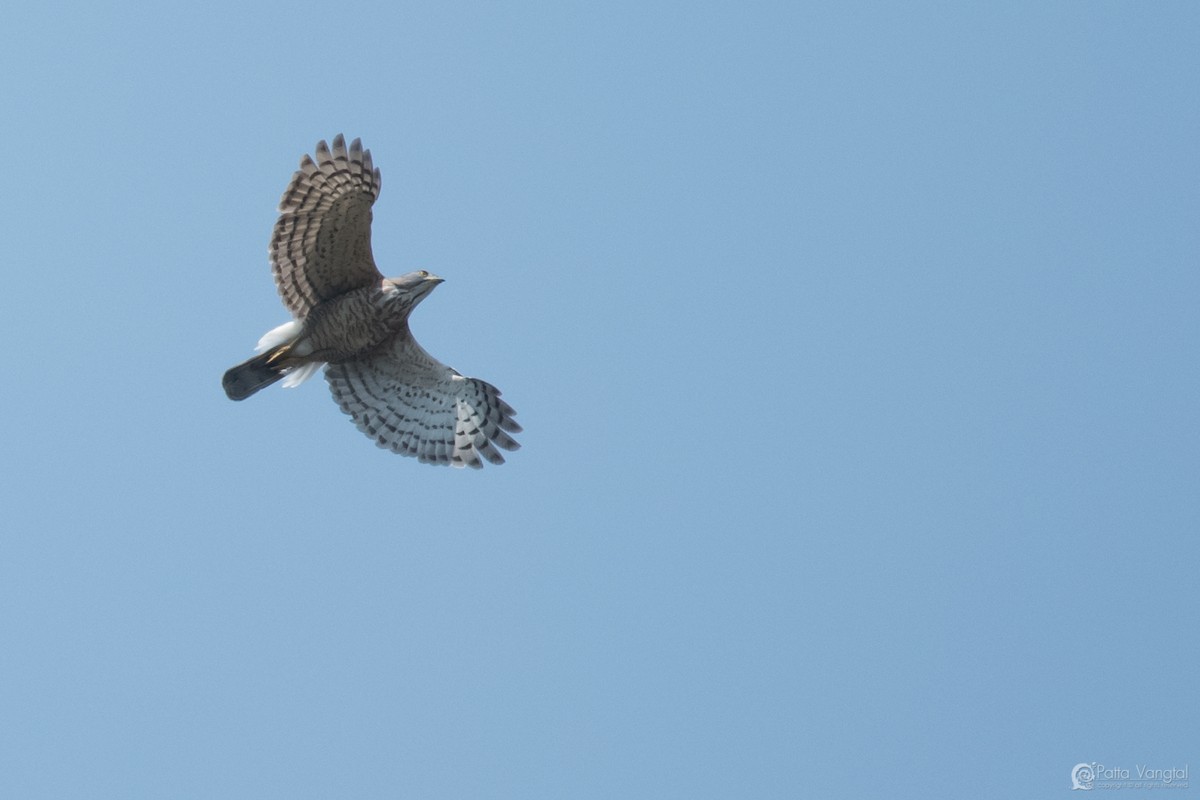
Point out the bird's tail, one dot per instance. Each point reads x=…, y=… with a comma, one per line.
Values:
x=257, y=373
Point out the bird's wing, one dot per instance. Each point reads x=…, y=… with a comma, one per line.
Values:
x=321, y=246
x=411, y=403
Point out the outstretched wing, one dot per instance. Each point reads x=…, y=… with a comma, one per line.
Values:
x=408, y=401
x=321, y=246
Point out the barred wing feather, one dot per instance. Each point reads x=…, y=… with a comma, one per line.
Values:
x=321, y=245
x=410, y=403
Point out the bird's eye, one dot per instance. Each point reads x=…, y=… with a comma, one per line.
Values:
x=423, y=273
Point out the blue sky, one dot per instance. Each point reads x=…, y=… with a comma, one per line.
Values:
x=855, y=346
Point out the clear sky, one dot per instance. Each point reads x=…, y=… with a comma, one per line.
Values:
x=855, y=345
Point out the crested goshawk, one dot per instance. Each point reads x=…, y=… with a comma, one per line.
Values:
x=354, y=321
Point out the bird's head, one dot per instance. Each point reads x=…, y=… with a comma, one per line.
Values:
x=414, y=286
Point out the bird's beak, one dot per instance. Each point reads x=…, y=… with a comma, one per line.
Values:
x=434, y=279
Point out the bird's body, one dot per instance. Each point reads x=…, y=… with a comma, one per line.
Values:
x=351, y=318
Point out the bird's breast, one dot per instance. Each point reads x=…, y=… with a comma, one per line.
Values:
x=352, y=324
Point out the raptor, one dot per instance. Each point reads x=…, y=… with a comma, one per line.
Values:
x=353, y=321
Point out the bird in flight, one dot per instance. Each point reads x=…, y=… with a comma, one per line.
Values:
x=354, y=321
